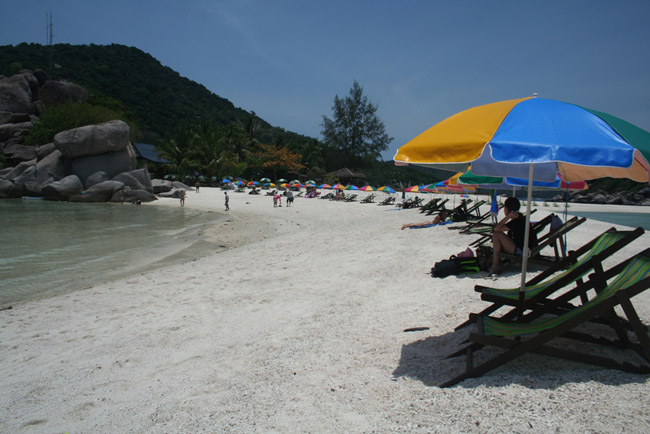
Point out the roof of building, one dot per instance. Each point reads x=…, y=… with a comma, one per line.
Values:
x=149, y=152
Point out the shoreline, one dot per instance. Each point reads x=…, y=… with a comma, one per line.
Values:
x=299, y=327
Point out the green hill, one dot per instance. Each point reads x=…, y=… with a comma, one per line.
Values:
x=158, y=97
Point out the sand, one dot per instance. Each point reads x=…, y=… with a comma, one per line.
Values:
x=296, y=326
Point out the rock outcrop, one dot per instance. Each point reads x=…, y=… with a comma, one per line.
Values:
x=92, y=163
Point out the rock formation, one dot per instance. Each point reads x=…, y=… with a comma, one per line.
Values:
x=92, y=163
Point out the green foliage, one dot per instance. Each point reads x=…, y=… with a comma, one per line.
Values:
x=355, y=131
x=67, y=116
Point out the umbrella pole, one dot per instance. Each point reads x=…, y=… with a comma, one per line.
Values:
x=525, y=252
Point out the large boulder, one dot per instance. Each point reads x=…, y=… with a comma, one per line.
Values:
x=51, y=167
x=102, y=192
x=136, y=179
x=90, y=140
x=133, y=196
x=112, y=163
x=63, y=189
x=54, y=93
x=161, y=186
x=45, y=150
x=96, y=178
x=20, y=168
x=16, y=95
x=9, y=190
x=20, y=152
x=10, y=130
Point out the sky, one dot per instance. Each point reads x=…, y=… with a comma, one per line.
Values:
x=418, y=61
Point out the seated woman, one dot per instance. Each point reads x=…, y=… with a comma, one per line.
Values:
x=515, y=224
x=438, y=219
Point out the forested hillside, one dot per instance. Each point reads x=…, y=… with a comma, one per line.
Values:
x=157, y=96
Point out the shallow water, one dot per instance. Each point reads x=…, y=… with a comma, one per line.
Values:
x=55, y=247
x=626, y=219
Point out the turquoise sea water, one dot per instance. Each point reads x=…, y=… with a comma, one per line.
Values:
x=630, y=219
x=56, y=247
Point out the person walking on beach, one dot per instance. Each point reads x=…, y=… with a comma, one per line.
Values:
x=513, y=243
x=196, y=186
x=289, y=198
x=182, y=197
x=227, y=198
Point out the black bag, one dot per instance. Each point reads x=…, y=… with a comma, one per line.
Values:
x=455, y=265
x=446, y=267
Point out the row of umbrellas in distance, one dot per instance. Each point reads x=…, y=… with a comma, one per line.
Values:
x=266, y=182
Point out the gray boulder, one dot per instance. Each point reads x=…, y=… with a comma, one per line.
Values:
x=8, y=131
x=54, y=93
x=63, y=189
x=41, y=76
x=20, y=168
x=20, y=152
x=9, y=190
x=52, y=167
x=161, y=186
x=16, y=95
x=5, y=117
x=133, y=195
x=112, y=163
x=180, y=185
x=102, y=192
x=45, y=150
x=96, y=139
x=136, y=179
x=96, y=178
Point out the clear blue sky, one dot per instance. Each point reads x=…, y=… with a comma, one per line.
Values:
x=419, y=61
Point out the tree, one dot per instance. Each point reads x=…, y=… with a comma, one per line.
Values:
x=355, y=131
x=274, y=158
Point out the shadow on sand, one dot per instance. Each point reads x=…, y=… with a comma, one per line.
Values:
x=426, y=360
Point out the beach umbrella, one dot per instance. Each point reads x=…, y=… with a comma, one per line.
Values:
x=226, y=181
x=295, y=181
x=533, y=138
x=310, y=182
x=386, y=189
x=265, y=180
x=367, y=188
x=351, y=187
x=324, y=186
x=338, y=187
x=285, y=185
x=413, y=189
x=296, y=185
x=253, y=184
x=280, y=181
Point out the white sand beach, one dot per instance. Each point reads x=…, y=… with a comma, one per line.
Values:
x=297, y=326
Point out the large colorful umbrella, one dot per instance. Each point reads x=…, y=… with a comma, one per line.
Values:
x=253, y=183
x=367, y=188
x=338, y=187
x=324, y=186
x=265, y=180
x=413, y=189
x=351, y=187
x=533, y=138
x=386, y=189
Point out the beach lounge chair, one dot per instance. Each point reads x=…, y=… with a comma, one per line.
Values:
x=389, y=200
x=368, y=199
x=613, y=288
x=572, y=268
x=485, y=230
x=430, y=205
x=554, y=238
x=350, y=197
x=438, y=207
x=327, y=196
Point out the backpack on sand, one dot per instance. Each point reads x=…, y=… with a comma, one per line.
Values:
x=455, y=265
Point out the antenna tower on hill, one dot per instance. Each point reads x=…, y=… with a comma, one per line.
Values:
x=50, y=38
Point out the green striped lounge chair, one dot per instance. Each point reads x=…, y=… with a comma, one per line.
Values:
x=571, y=270
x=612, y=288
